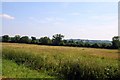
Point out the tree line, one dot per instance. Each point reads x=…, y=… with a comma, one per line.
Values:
x=57, y=40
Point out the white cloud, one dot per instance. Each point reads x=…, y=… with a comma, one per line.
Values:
x=49, y=18
x=37, y=20
x=58, y=23
x=6, y=16
x=75, y=14
x=104, y=17
x=54, y=19
x=59, y=19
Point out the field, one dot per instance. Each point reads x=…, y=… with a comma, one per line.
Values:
x=69, y=63
x=11, y=69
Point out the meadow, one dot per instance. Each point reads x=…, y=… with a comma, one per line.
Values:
x=67, y=63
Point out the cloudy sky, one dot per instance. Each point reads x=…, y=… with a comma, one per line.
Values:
x=79, y=20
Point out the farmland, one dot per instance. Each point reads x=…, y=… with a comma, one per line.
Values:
x=11, y=69
x=70, y=63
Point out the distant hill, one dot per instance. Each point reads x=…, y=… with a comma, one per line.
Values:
x=90, y=41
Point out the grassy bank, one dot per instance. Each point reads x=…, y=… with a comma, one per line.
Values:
x=65, y=62
x=13, y=70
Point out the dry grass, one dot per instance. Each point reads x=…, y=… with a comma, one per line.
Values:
x=65, y=61
x=38, y=49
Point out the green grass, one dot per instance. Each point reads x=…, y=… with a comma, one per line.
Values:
x=13, y=70
x=65, y=62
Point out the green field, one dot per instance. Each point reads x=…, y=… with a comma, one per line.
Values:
x=13, y=70
x=69, y=63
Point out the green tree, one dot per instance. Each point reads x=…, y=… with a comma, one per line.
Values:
x=57, y=39
x=0, y=38
x=64, y=42
x=116, y=42
x=15, y=39
x=106, y=45
x=45, y=40
x=87, y=44
x=24, y=39
x=33, y=41
x=81, y=44
x=71, y=43
x=96, y=45
x=12, y=39
x=5, y=38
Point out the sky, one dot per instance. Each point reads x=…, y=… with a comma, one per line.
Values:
x=75, y=20
x=59, y=0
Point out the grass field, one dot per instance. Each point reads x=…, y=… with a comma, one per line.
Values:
x=70, y=63
x=13, y=70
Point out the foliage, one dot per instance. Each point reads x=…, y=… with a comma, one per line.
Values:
x=116, y=42
x=33, y=41
x=57, y=40
x=15, y=39
x=13, y=70
x=66, y=62
x=24, y=39
x=5, y=38
x=45, y=40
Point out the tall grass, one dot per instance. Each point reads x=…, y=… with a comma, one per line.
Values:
x=13, y=70
x=64, y=62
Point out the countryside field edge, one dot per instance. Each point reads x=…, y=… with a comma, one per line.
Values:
x=65, y=62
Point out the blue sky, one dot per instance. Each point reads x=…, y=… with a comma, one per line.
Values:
x=81, y=20
x=59, y=0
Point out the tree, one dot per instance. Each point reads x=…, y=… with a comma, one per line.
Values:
x=0, y=38
x=57, y=39
x=81, y=44
x=71, y=43
x=17, y=38
x=45, y=40
x=33, y=40
x=87, y=44
x=64, y=42
x=116, y=42
x=24, y=39
x=96, y=45
x=106, y=45
x=12, y=39
x=5, y=38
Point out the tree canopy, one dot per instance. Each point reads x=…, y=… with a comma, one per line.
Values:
x=57, y=40
x=116, y=42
